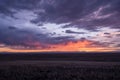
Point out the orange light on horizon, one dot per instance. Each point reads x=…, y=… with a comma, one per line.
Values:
x=79, y=46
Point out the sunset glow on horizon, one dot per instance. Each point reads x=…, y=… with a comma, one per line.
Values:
x=84, y=46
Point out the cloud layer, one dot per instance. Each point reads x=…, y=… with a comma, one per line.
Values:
x=52, y=24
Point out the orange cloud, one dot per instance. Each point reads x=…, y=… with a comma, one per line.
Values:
x=79, y=46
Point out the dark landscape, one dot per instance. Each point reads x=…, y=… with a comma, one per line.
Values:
x=60, y=66
x=62, y=56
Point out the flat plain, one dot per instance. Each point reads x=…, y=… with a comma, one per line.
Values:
x=51, y=66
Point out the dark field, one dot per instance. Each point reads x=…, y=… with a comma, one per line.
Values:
x=60, y=66
x=60, y=56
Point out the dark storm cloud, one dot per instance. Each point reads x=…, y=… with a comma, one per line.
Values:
x=46, y=39
x=73, y=32
x=71, y=11
x=12, y=36
x=7, y=6
x=62, y=39
x=67, y=11
x=9, y=37
x=63, y=11
x=12, y=28
x=107, y=33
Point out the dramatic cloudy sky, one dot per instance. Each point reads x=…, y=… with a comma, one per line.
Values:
x=59, y=25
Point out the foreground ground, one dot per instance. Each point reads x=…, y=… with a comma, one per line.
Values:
x=59, y=70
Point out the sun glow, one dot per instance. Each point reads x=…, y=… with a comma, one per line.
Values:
x=79, y=46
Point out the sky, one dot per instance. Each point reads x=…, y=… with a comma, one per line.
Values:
x=59, y=25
